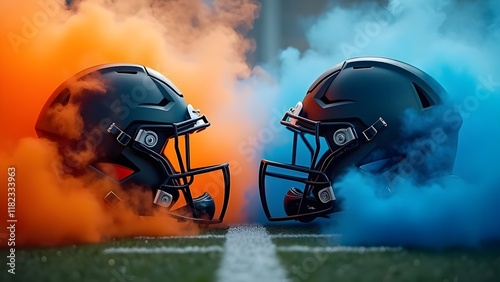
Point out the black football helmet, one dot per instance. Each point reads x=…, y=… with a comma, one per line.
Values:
x=360, y=109
x=128, y=124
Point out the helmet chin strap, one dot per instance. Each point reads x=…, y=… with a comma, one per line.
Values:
x=373, y=129
x=121, y=137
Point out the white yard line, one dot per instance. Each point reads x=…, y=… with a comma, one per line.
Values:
x=250, y=255
x=219, y=249
x=205, y=236
x=304, y=235
x=164, y=250
x=337, y=249
x=214, y=236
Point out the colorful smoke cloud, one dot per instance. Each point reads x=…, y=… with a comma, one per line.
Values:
x=456, y=42
x=196, y=44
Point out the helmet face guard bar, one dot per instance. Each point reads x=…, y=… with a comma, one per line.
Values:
x=312, y=127
x=183, y=179
x=315, y=179
x=320, y=180
x=345, y=138
x=187, y=193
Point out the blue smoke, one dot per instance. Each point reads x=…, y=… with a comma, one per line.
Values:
x=457, y=43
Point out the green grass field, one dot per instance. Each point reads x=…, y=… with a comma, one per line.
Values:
x=303, y=253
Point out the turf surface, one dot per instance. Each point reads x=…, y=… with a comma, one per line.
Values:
x=91, y=263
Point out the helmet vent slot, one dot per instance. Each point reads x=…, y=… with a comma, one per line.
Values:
x=326, y=80
x=361, y=67
x=65, y=96
x=163, y=102
x=424, y=99
x=127, y=72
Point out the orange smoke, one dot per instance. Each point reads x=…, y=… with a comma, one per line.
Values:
x=53, y=209
x=44, y=42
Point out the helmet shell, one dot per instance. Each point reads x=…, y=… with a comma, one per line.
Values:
x=361, y=90
x=129, y=95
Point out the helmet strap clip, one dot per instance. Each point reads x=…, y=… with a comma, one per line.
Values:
x=122, y=137
x=373, y=129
